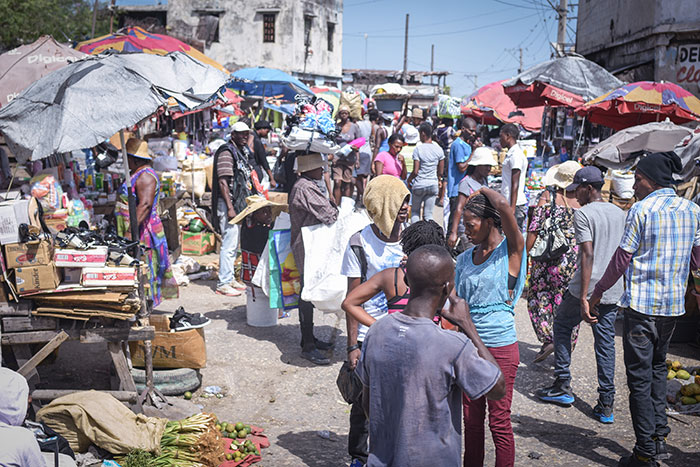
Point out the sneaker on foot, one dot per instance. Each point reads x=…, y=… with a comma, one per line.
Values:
x=182, y=320
x=545, y=351
x=320, y=345
x=633, y=460
x=356, y=463
x=558, y=393
x=603, y=413
x=238, y=285
x=316, y=357
x=228, y=291
x=662, y=453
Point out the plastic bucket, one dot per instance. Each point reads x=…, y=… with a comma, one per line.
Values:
x=623, y=183
x=257, y=311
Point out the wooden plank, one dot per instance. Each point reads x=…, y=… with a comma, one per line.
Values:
x=23, y=354
x=23, y=323
x=22, y=308
x=38, y=357
x=126, y=381
x=34, y=337
x=90, y=336
x=51, y=394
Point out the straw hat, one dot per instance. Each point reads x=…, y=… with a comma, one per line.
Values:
x=482, y=156
x=309, y=162
x=417, y=113
x=256, y=202
x=138, y=148
x=561, y=175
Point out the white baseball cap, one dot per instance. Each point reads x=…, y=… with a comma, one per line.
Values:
x=240, y=127
x=482, y=156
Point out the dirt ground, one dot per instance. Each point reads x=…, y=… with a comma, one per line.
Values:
x=302, y=412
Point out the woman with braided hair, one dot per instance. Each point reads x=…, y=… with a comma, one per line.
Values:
x=490, y=278
x=391, y=280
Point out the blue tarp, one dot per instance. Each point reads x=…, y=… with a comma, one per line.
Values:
x=268, y=82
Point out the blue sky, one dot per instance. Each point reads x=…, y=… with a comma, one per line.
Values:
x=471, y=37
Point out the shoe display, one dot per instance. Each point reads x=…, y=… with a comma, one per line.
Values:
x=662, y=453
x=316, y=357
x=558, y=393
x=545, y=351
x=182, y=320
x=228, y=291
x=603, y=413
x=634, y=460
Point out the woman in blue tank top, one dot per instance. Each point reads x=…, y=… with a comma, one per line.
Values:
x=490, y=278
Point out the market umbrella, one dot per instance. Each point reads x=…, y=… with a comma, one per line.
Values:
x=22, y=66
x=136, y=39
x=268, y=82
x=642, y=102
x=621, y=149
x=493, y=98
x=566, y=81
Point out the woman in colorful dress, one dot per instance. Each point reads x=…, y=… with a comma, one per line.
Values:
x=549, y=280
x=146, y=188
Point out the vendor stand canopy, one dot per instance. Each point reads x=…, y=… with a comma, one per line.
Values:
x=566, y=81
x=86, y=102
x=136, y=39
x=642, y=102
x=22, y=66
x=268, y=82
x=492, y=105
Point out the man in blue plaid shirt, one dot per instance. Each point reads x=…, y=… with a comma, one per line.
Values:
x=660, y=244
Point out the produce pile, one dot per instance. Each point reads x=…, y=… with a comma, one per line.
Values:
x=683, y=388
x=201, y=441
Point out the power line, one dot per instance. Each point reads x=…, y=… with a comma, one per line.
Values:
x=515, y=5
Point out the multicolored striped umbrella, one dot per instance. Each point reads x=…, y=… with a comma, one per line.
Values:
x=642, y=102
x=136, y=39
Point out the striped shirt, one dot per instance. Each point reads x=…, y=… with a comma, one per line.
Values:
x=660, y=233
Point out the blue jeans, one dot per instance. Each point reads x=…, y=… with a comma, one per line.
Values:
x=230, y=234
x=567, y=317
x=426, y=197
x=645, y=340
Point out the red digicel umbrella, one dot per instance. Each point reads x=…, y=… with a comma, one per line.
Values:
x=491, y=102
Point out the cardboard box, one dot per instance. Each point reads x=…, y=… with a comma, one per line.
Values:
x=19, y=255
x=34, y=278
x=182, y=349
x=12, y=214
x=108, y=276
x=72, y=275
x=94, y=257
x=199, y=243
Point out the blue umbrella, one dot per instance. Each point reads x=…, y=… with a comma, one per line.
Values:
x=268, y=82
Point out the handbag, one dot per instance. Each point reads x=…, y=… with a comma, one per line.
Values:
x=551, y=242
x=349, y=384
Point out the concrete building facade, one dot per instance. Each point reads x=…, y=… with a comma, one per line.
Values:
x=301, y=37
x=643, y=39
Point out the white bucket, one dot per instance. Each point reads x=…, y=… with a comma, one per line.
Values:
x=623, y=183
x=258, y=312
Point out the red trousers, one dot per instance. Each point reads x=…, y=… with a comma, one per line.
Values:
x=508, y=358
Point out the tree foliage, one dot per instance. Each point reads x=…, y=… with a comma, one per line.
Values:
x=24, y=21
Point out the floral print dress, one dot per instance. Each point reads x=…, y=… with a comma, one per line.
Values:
x=550, y=280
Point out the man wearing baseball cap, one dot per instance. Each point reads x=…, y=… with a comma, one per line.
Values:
x=660, y=244
x=234, y=171
x=598, y=227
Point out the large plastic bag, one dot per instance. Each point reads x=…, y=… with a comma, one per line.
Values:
x=324, y=247
x=449, y=107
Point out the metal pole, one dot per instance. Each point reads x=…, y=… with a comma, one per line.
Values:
x=94, y=19
x=561, y=28
x=133, y=221
x=405, y=53
x=432, y=63
x=520, y=70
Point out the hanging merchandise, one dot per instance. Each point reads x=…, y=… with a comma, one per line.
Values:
x=448, y=107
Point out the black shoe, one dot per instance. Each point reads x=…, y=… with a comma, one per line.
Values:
x=182, y=321
x=634, y=460
x=558, y=393
x=662, y=453
x=320, y=345
x=316, y=357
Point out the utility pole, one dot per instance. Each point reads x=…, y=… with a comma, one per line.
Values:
x=405, y=54
x=561, y=28
x=432, y=61
x=94, y=18
x=520, y=70
x=366, y=50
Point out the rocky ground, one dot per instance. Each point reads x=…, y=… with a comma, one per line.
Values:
x=302, y=412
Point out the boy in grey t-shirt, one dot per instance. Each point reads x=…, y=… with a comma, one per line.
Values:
x=414, y=372
x=598, y=227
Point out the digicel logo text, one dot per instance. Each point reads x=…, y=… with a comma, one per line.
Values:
x=45, y=59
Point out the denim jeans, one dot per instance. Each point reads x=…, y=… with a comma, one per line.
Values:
x=358, y=435
x=426, y=197
x=521, y=215
x=645, y=341
x=566, y=318
x=230, y=234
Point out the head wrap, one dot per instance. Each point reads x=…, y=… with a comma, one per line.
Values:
x=383, y=198
x=480, y=206
x=659, y=167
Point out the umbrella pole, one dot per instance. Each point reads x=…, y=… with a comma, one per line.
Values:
x=133, y=221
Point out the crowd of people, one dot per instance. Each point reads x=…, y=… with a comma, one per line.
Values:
x=430, y=312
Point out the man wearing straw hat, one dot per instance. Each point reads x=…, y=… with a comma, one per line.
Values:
x=308, y=206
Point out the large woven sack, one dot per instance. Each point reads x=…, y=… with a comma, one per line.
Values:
x=354, y=101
